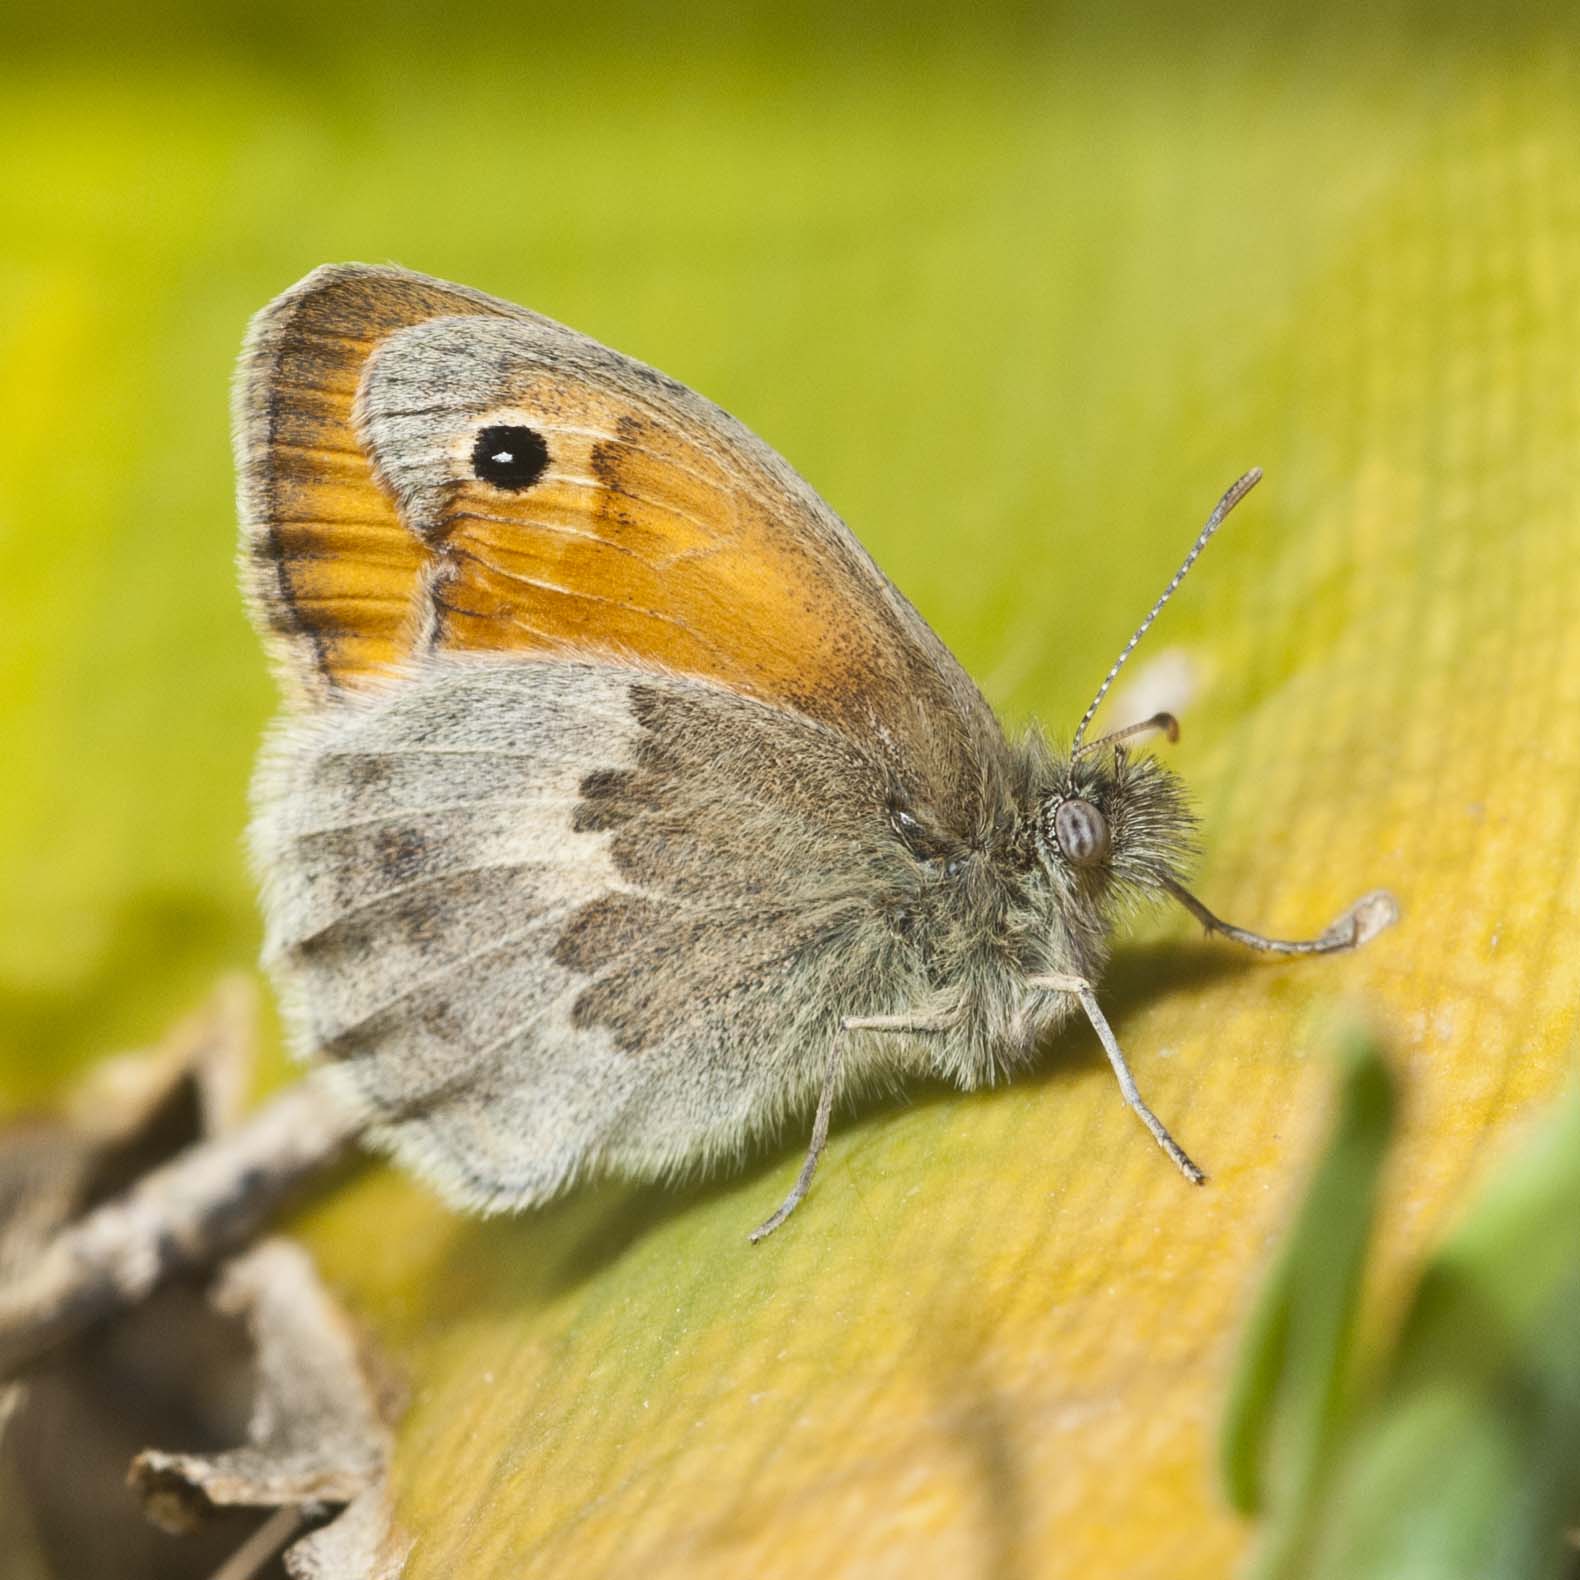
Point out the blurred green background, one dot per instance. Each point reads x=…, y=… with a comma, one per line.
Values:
x=1019, y=290
x=997, y=280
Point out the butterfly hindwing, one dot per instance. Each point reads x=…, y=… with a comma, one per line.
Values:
x=545, y=916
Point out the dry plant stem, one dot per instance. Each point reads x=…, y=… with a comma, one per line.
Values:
x=204, y=1203
x=261, y=1546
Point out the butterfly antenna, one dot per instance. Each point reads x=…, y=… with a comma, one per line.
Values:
x=1237, y=491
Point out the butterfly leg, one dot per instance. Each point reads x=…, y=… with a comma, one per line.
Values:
x=1081, y=989
x=825, y=1101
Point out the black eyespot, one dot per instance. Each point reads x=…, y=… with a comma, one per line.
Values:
x=510, y=456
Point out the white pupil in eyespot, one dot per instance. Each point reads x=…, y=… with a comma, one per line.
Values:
x=510, y=456
x=1082, y=832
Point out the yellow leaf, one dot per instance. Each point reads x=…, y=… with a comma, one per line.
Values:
x=1022, y=312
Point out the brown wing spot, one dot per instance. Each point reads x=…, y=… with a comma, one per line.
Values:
x=600, y=933
x=611, y=940
x=400, y=852
x=610, y=798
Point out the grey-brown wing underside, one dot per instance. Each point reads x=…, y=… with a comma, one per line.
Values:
x=550, y=917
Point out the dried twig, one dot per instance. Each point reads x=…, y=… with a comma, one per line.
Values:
x=206, y=1202
x=320, y=1430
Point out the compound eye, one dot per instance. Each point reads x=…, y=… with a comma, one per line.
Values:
x=1082, y=832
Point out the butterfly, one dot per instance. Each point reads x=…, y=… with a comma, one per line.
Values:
x=622, y=811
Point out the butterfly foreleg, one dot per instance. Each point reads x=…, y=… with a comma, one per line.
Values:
x=825, y=1103
x=1081, y=989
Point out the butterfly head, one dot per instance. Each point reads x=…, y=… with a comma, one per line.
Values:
x=1112, y=822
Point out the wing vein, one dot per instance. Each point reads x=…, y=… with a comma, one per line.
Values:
x=496, y=946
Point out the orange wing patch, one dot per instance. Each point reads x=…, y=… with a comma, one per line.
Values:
x=331, y=569
x=636, y=542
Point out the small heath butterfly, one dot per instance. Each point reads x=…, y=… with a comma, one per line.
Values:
x=623, y=809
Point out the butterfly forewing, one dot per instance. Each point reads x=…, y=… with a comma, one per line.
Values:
x=658, y=531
